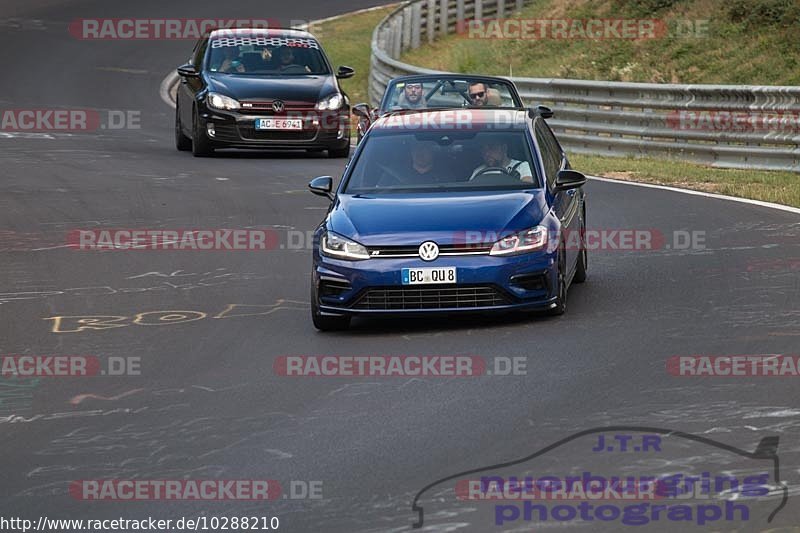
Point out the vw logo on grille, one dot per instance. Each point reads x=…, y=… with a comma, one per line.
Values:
x=428, y=251
x=278, y=106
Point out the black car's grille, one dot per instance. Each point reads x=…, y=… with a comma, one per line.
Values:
x=440, y=297
x=250, y=132
x=226, y=132
x=413, y=251
x=266, y=105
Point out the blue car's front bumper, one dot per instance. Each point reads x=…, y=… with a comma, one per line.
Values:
x=484, y=283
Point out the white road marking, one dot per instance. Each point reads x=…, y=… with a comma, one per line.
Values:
x=122, y=70
x=759, y=203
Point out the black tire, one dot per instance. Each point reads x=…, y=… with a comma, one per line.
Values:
x=339, y=152
x=323, y=322
x=182, y=142
x=583, y=258
x=561, y=299
x=201, y=146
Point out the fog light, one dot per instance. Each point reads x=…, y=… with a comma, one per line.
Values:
x=340, y=134
x=210, y=129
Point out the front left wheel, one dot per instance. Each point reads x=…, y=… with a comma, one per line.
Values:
x=561, y=294
x=182, y=142
x=583, y=257
x=201, y=146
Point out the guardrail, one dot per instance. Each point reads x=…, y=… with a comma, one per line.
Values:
x=731, y=126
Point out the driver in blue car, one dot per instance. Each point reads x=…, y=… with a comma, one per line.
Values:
x=496, y=160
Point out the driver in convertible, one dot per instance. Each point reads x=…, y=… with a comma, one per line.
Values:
x=412, y=97
x=496, y=160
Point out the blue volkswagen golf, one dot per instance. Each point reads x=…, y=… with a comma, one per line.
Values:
x=450, y=211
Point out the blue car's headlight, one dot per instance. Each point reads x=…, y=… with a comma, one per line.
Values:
x=220, y=101
x=519, y=243
x=335, y=245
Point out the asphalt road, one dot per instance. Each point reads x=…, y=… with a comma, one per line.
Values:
x=208, y=404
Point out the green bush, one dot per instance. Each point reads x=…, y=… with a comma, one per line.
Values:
x=764, y=12
x=644, y=8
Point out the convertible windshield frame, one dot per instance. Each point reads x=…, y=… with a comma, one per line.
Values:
x=463, y=185
x=438, y=85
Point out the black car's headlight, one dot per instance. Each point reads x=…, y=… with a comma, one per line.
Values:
x=519, y=243
x=331, y=102
x=220, y=101
x=334, y=245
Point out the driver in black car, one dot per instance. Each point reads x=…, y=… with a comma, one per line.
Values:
x=288, y=61
x=495, y=156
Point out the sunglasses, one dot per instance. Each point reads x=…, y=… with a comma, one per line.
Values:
x=477, y=95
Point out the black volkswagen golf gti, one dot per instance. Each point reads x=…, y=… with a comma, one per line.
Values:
x=263, y=89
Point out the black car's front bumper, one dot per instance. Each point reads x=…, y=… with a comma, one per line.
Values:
x=234, y=129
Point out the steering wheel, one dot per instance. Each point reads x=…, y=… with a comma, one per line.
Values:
x=294, y=69
x=389, y=178
x=494, y=170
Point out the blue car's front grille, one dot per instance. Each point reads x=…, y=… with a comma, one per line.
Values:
x=439, y=297
x=390, y=252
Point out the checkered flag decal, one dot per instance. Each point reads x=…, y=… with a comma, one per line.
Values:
x=264, y=41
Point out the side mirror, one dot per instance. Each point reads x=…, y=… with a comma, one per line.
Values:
x=569, y=179
x=188, y=71
x=322, y=186
x=345, y=72
x=362, y=110
x=541, y=111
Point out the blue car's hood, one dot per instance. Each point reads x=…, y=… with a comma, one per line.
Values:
x=401, y=219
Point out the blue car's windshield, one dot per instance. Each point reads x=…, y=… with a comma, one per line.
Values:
x=392, y=161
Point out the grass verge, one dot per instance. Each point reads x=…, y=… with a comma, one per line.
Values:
x=768, y=186
x=347, y=42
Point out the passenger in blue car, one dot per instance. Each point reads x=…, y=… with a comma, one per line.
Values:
x=497, y=161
